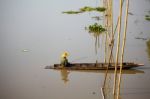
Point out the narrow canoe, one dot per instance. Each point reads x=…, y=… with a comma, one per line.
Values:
x=94, y=66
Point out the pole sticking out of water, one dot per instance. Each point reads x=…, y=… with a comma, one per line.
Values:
x=109, y=26
x=123, y=46
x=112, y=28
x=105, y=2
x=118, y=46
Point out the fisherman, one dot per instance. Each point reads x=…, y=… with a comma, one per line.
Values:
x=64, y=60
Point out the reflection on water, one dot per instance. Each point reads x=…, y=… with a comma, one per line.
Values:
x=131, y=71
x=33, y=33
x=107, y=89
x=64, y=75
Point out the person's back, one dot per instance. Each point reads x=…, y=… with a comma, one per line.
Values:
x=64, y=60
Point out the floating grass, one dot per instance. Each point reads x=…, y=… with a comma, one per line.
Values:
x=148, y=47
x=71, y=12
x=86, y=9
x=147, y=17
x=100, y=9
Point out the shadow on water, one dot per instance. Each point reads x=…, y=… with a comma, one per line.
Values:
x=64, y=73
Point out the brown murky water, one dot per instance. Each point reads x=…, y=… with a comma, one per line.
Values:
x=33, y=34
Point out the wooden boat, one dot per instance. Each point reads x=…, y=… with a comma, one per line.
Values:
x=94, y=66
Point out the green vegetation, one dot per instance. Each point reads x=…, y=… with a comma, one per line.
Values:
x=96, y=28
x=86, y=9
x=148, y=47
x=71, y=12
x=100, y=9
x=147, y=17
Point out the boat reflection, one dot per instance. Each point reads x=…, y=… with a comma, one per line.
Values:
x=64, y=75
x=131, y=71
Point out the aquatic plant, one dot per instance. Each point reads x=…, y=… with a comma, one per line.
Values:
x=148, y=47
x=96, y=28
x=71, y=12
x=86, y=9
x=147, y=17
x=100, y=9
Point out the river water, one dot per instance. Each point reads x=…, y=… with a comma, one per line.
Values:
x=33, y=34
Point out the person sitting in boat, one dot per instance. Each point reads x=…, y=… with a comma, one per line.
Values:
x=64, y=60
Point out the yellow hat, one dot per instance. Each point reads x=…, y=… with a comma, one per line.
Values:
x=65, y=54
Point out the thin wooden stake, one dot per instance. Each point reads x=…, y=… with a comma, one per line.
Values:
x=123, y=46
x=118, y=45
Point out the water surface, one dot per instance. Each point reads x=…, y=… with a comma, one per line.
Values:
x=33, y=34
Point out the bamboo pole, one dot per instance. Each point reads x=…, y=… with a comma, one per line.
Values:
x=110, y=59
x=112, y=37
x=112, y=29
x=105, y=59
x=109, y=24
x=123, y=46
x=103, y=95
x=112, y=40
x=118, y=45
x=107, y=5
x=106, y=26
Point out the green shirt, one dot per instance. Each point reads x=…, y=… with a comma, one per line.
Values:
x=64, y=61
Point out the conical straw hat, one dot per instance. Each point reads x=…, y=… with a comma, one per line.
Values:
x=65, y=54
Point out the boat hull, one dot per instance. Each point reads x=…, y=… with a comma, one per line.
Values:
x=93, y=66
